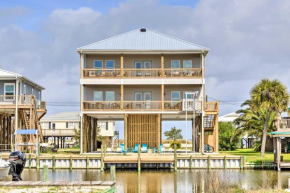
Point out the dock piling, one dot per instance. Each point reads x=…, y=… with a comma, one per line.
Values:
x=208, y=162
x=37, y=162
x=139, y=158
x=113, y=173
x=53, y=162
x=29, y=161
x=175, y=158
x=102, y=159
x=45, y=173
x=190, y=162
x=225, y=162
x=70, y=163
x=88, y=163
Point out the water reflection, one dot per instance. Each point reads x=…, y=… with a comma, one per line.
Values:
x=169, y=181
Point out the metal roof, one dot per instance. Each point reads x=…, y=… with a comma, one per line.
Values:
x=7, y=74
x=64, y=116
x=143, y=41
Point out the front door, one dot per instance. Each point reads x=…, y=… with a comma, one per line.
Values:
x=147, y=99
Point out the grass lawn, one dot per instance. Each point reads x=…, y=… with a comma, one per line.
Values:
x=252, y=156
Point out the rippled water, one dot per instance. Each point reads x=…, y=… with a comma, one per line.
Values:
x=169, y=181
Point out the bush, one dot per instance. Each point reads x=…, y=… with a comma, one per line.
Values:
x=178, y=144
x=226, y=131
x=257, y=146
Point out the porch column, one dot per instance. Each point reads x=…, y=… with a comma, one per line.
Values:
x=125, y=132
x=122, y=97
x=162, y=97
x=122, y=65
x=162, y=65
x=275, y=149
x=278, y=153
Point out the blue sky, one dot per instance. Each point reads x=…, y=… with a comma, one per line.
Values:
x=248, y=40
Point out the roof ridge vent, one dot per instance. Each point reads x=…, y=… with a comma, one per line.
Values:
x=143, y=29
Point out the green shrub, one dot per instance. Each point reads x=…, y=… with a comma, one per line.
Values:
x=178, y=144
x=257, y=146
x=226, y=131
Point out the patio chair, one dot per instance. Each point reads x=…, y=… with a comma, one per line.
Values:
x=144, y=148
x=122, y=146
x=136, y=148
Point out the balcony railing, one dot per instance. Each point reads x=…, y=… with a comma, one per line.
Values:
x=101, y=73
x=182, y=72
x=102, y=105
x=211, y=106
x=145, y=105
x=284, y=123
x=142, y=105
x=143, y=73
x=58, y=132
x=11, y=99
x=147, y=72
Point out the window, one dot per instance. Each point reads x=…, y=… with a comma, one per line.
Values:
x=138, y=64
x=147, y=64
x=98, y=96
x=32, y=91
x=39, y=95
x=189, y=96
x=53, y=125
x=66, y=125
x=175, y=64
x=187, y=63
x=110, y=95
x=110, y=64
x=98, y=64
x=175, y=96
x=49, y=125
x=107, y=126
x=9, y=89
x=69, y=125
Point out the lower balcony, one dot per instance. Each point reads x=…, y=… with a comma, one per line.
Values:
x=58, y=132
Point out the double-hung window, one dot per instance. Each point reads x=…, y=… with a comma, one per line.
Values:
x=110, y=95
x=98, y=96
x=9, y=91
x=175, y=65
x=187, y=64
x=110, y=64
x=175, y=96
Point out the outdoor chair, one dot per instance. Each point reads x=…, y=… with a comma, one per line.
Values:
x=136, y=148
x=144, y=148
x=122, y=146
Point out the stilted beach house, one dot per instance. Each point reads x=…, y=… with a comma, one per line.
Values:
x=143, y=78
x=21, y=109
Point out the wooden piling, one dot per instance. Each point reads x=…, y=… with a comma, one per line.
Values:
x=175, y=158
x=113, y=173
x=29, y=161
x=225, y=162
x=208, y=162
x=139, y=158
x=190, y=162
x=53, y=162
x=102, y=159
x=88, y=163
x=45, y=173
x=105, y=150
x=241, y=163
x=244, y=162
x=37, y=162
x=288, y=183
x=70, y=163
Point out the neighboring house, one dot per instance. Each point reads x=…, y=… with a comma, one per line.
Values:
x=61, y=128
x=141, y=77
x=246, y=141
x=21, y=107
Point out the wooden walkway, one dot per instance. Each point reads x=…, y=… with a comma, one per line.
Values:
x=108, y=184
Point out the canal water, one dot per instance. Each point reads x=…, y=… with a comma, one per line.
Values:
x=169, y=181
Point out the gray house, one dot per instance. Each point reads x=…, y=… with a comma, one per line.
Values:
x=21, y=108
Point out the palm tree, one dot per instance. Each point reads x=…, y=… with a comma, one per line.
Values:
x=269, y=96
x=252, y=123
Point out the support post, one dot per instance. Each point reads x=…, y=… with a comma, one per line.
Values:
x=105, y=150
x=225, y=162
x=122, y=97
x=102, y=159
x=139, y=158
x=37, y=162
x=175, y=158
x=162, y=65
x=122, y=66
x=244, y=162
x=88, y=163
x=53, y=162
x=190, y=162
x=158, y=133
x=125, y=132
x=162, y=96
x=113, y=173
x=241, y=163
x=29, y=161
x=70, y=163
x=208, y=162
x=45, y=173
